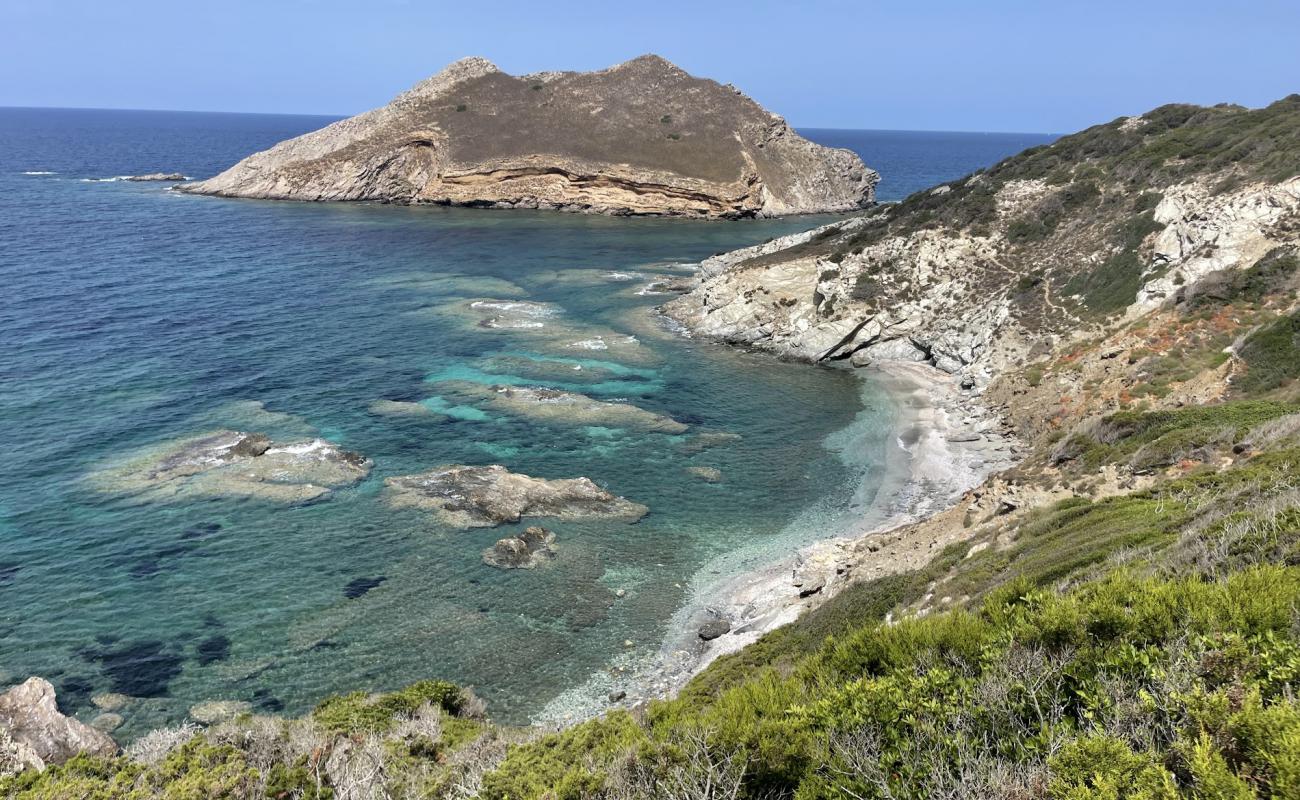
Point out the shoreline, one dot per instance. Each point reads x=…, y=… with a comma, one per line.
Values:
x=946, y=443
x=943, y=442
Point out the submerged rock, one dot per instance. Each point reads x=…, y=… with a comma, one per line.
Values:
x=550, y=331
x=110, y=701
x=475, y=497
x=107, y=722
x=400, y=408
x=38, y=735
x=525, y=551
x=569, y=408
x=212, y=711
x=237, y=464
x=708, y=440
x=706, y=474
x=642, y=137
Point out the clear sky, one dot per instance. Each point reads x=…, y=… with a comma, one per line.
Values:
x=999, y=65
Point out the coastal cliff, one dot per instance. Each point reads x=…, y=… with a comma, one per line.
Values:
x=642, y=137
x=1007, y=265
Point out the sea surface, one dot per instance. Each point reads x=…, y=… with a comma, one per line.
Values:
x=134, y=316
x=909, y=161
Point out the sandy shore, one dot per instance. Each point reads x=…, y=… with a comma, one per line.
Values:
x=946, y=443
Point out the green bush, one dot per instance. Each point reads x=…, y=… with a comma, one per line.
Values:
x=362, y=712
x=569, y=765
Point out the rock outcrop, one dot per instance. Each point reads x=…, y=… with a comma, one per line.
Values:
x=1000, y=268
x=34, y=735
x=525, y=551
x=642, y=137
x=238, y=464
x=174, y=177
x=483, y=497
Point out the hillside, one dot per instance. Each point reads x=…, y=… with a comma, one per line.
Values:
x=1118, y=615
x=642, y=137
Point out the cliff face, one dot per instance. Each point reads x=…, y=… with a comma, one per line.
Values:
x=643, y=137
x=1005, y=267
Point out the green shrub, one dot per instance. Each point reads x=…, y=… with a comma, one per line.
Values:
x=570, y=765
x=362, y=712
x=1101, y=767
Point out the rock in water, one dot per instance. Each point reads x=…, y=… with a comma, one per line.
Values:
x=235, y=464
x=706, y=474
x=478, y=497
x=158, y=176
x=642, y=137
x=525, y=551
x=38, y=735
x=213, y=711
x=565, y=408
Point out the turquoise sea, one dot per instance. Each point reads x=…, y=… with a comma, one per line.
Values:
x=134, y=316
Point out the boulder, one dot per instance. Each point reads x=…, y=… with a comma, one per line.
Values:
x=525, y=551
x=39, y=735
x=251, y=446
x=713, y=629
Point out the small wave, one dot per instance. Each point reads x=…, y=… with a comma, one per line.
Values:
x=104, y=180
x=514, y=306
x=39, y=172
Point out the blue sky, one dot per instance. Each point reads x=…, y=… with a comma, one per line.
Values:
x=938, y=65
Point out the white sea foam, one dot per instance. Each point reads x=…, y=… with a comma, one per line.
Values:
x=514, y=306
x=302, y=448
x=40, y=172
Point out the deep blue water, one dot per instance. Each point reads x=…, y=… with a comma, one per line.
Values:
x=135, y=316
x=909, y=161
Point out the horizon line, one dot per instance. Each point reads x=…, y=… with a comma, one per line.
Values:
x=336, y=117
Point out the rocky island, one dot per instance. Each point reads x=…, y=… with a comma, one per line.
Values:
x=642, y=137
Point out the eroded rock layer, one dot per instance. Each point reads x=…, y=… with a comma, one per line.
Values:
x=642, y=137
